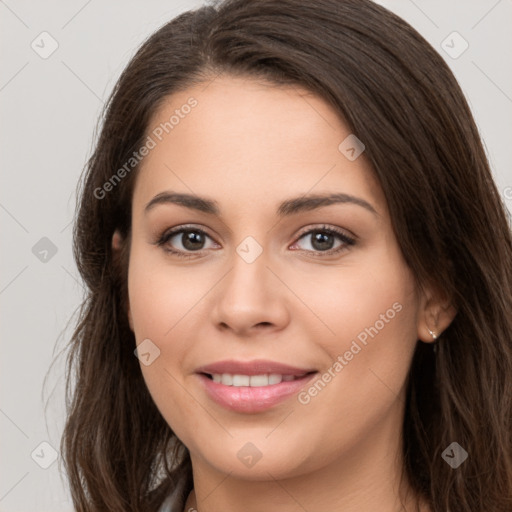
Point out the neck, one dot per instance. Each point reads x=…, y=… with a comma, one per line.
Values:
x=363, y=479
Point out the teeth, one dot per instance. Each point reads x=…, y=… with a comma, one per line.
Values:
x=255, y=380
x=241, y=380
x=251, y=380
x=274, y=378
x=227, y=379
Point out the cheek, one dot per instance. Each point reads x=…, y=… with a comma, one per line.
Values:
x=369, y=299
x=161, y=300
x=365, y=308
x=371, y=314
x=161, y=296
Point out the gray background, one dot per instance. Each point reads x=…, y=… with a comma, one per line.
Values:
x=49, y=107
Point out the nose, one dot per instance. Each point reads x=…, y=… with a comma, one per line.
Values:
x=251, y=298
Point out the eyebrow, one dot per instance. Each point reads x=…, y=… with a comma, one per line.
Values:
x=286, y=208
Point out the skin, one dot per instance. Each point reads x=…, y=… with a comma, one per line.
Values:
x=249, y=146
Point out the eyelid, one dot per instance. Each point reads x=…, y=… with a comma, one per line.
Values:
x=326, y=227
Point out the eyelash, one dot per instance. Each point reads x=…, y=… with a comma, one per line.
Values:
x=167, y=235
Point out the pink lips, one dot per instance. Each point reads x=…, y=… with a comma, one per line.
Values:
x=247, y=399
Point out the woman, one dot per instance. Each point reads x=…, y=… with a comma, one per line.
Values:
x=340, y=340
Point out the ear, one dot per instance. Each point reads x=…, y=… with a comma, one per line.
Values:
x=436, y=313
x=118, y=245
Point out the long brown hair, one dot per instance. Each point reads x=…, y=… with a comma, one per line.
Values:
x=400, y=98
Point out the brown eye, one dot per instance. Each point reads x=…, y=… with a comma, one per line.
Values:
x=191, y=240
x=323, y=240
x=184, y=241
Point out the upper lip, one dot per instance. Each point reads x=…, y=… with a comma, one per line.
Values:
x=254, y=367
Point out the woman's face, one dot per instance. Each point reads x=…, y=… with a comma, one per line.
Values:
x=272, y=272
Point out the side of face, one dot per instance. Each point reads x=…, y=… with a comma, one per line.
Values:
x=256, y=286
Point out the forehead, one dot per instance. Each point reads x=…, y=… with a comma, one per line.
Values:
x=250, y=140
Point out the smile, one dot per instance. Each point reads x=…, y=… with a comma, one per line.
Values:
x=252, y=393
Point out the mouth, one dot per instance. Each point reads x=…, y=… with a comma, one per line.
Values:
x=252, y=394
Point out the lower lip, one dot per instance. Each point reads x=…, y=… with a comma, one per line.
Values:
x=249, y=399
